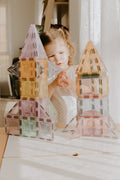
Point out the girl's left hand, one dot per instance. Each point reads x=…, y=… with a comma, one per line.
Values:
x=64, y=82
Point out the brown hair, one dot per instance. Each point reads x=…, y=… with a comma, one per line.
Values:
x=48, y=36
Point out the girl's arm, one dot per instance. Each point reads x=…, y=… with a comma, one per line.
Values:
x=51, y=88
x=60, y=81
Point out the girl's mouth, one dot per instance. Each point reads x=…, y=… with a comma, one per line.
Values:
x=59, y=64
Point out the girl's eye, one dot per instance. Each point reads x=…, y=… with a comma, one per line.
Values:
x=51, y=58
x=61, y=52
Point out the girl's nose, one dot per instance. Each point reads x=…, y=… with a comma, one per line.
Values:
x=57, y=58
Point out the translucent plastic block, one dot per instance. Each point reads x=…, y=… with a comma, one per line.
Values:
x=12, y=122
x=43, y=112
x=27, y=89
x=109, y=129
x=28, y=127
x=34, y=108
x=91, y=126
x=90, y=62
x=31, y=118
x=34, y=89
x=44, y=64
x=14, y=110
x=95, y=126
x=92, y=86
x=47, y=109
x=27, y=68
x=44, y=103
x=33, y=47
x=12, y=125
x=32, y=68
x=45, y=129
x=41, y=108
x=14, y=69
x=46, y=121
x=53, y=71
x=99, y=106
x=52, y=113
x=28, y=108
x=43, y=92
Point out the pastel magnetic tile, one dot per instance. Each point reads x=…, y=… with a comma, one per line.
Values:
x=27, y=89
x=91, y=126
x=34, y=89
x=45, y=129
x=12, y=125
x=33, y=47
x=53, y=113
x=28, y=108
x=14, y=69
x=44, y=102
x=53, y=71
x=44, y=65
x=31, y=68
x=28, y=127
x=44, y=109
x=14, y=110
x=39, y=69
x=34, y=108
x=95, y=126
x=27, y=68
x=88, y=105
x=95, y=86
x=12, y=122
x=42, y=90
x=90, y=62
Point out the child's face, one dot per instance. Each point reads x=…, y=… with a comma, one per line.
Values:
x=57, y=52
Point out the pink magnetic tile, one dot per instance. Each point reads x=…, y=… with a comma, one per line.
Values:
x=28, y=108
x=33, y=47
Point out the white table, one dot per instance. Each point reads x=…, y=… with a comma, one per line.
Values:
x=34, y=159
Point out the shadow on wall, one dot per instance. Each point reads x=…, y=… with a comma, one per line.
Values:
x=4, y=89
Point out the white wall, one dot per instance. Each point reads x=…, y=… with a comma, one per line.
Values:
x=74, y=26
x=22, y=15
x=110, y=52
x=38, y=11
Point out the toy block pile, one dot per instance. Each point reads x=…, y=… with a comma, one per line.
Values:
x=34, y=115
x=92, y=91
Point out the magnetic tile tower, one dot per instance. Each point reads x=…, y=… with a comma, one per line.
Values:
x=35, y=114
x=92, y=91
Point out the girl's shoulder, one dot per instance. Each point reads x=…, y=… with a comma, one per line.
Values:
x=72, y=69
x=74, y=66
x=71, y=72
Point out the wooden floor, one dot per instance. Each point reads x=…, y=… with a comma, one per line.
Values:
x=3, y=142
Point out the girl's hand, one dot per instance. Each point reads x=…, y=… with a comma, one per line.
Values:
x=62, y=80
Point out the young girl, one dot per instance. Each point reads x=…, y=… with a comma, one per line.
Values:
x=62, y=91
